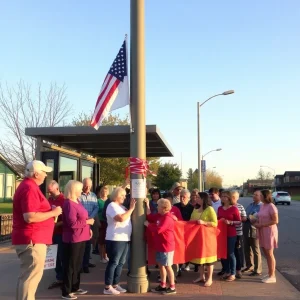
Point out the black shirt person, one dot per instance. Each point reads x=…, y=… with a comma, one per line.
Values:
x=184, y=205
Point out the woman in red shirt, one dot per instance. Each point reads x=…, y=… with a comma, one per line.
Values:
x=230, y=215
x=164, y=243
x=153, y=217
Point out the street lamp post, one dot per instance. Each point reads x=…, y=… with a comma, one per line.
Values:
x=198, y=120
x=203, y=180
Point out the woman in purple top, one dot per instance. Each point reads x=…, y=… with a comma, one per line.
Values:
x=76, y=231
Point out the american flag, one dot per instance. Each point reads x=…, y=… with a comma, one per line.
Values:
x=114, y=93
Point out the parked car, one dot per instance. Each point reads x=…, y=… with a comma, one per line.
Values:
x=281, y=197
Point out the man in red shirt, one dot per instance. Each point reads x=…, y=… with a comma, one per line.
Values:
x=33, y=223
x=57, y=198
x=164, y=241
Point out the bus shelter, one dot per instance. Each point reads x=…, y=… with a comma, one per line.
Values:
x=72, y=152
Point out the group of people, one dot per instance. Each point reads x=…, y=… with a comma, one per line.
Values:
x=79, y=219
x=248, y=230
x=37, y=222
x=74, y=221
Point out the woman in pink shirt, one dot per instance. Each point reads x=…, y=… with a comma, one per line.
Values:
x=266, y=222
x=229, y=214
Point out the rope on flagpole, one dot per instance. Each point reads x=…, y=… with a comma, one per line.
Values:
x=138, y=166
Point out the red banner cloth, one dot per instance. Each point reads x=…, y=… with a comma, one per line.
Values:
x=194, y=241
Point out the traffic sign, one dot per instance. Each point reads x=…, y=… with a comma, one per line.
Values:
x=203, y=166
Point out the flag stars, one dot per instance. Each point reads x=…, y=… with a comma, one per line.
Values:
x=118, y=68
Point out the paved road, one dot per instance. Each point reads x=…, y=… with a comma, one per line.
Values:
x=288, y=252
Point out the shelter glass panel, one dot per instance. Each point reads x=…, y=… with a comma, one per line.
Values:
x=86, y=172
x=68, y=170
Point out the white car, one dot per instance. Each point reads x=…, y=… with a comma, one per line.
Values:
x=281, y=197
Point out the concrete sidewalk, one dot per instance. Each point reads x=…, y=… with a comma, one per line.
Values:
x=246, y=288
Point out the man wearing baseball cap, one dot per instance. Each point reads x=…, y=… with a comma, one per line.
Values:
x=33, y=224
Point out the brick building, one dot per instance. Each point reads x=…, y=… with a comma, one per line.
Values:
x=288, y=182
x=253, y=185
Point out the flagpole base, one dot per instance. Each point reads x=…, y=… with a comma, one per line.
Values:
x=137, y=284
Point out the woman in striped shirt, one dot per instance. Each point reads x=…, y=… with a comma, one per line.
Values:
x=239, y=246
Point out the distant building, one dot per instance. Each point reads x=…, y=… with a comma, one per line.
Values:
x=288, y=182
x=8, y=180
x=253, y=185
x=184, y=183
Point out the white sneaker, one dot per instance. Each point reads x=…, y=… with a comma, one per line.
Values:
x=119, y=289
x=264, y=277
x=111, y=291
x=269, y=280
x=187, y=268
x=103, y=261
x=80, y=292
x=107, y=259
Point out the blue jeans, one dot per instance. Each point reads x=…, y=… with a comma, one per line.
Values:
x=230, y=263
x=117, y=253
x=57, y=239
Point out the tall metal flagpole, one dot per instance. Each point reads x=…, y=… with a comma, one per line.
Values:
x=130, y=112
x=137, y=279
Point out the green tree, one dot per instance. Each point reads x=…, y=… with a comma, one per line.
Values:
x=213, y=179
x=84, y=119
x=112, y=170
x=167, y=174
x=192, y=177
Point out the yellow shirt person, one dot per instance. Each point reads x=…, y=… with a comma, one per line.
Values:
x=208, y=215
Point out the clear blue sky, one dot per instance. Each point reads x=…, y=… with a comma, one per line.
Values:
x=194, y=49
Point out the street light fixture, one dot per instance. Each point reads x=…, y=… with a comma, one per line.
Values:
x=229, y=92
x=218, y=149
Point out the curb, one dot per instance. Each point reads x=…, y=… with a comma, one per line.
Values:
x=5, y=246
x=283, y=278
